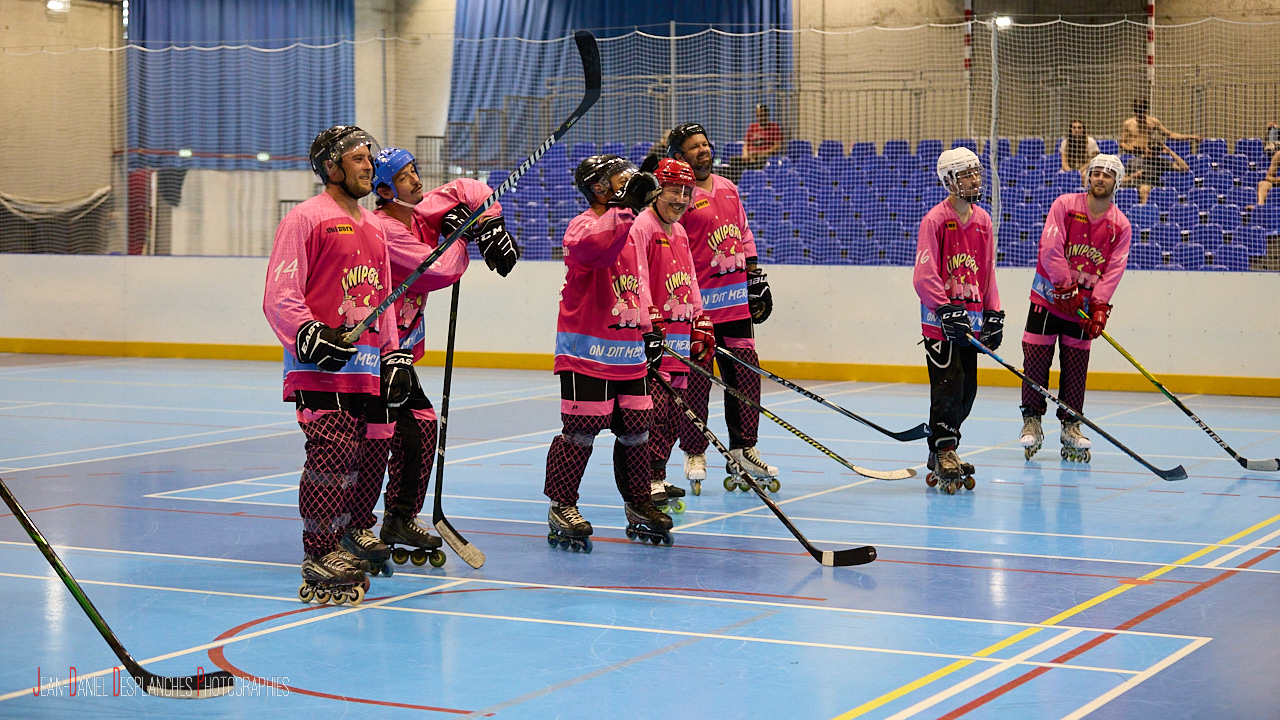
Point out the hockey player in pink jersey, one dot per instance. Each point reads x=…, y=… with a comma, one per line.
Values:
x=601, y=357
x=328, y=251
x=735, y=295
x=657, y=231
x=414, y=225
x=1084, y=249
x=955, y=279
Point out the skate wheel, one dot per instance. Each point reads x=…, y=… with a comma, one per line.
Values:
x=631, y=533
x=931, y=480
x=575, y=546
x=399, y=556
x=339, y=597
x=655, y=539
x=969, y=483
x=322, y=596
x=696, y=486
x=1087, y=456
x=436, y=558
x=586, y=545
x=551, y=539
x=775, y=485
x=418, y=558
x=565, y=543
x=679, y=507
x=365, y=584
x=305, y=593
x=668, y=540
x=950, y=488
x=730, y=484
x=355, y=595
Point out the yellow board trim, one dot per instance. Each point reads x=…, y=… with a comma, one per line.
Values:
x=1132, y=382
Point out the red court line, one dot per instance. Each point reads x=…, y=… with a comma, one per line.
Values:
x=705, y=590
x=1128, y=624
x=55, y=507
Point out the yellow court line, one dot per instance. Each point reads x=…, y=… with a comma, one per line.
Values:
x=892, y=695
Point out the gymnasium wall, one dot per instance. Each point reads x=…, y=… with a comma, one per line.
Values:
x=1200, y=332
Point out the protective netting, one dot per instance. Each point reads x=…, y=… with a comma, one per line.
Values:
x=214, y=157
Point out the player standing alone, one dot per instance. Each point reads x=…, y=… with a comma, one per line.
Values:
x=328, y=271
x=606, y=339
x=735, y=294
x=1084, y=249
x=955, y=279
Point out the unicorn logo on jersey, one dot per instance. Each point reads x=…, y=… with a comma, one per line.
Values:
x=361, y=292
x=409, y=311
x=961, y=283
x=679, y=287
x=727, y=242
x=626, y=288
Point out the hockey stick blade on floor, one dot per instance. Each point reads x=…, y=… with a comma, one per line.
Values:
x=200, y=685
x=915, y=433
x=469, y=553
x=829, y=558
x=874, y=474
x=1271, y=465
x=589, y=53
x=1178, y=473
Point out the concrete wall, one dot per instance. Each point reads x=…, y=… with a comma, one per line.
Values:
x=833, y=322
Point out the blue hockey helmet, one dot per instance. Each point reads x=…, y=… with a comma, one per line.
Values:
x=387, y=163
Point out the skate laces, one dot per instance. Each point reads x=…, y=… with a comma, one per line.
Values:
x=752, y=455
x=364, y=537
x=571, y=515
x=698, y=462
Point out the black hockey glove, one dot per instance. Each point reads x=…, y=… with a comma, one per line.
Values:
x=322, y=346
x=653, y=339
x=992, y=329
x=454, y=219
x=955, y=322
x=397, y=380
x=641, y=189
x=496, y=245
x=759, y=299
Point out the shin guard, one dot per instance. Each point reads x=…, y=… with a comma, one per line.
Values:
x=1075, y=372
x=568, y=456
x=333, y=439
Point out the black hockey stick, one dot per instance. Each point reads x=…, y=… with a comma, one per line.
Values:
x=200, y=685
x=838, y=558
x=469, y=553
x=875, y=474
x=1177, y=473
x=1271, y=465
x=590, y=54
x=915, y=433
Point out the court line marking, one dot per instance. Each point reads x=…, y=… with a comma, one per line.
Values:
x=1055, y=620
x=241, y=638
x=1134, y=681
x=382, y=604
x=153, y=440
x=157, y=452
x=402, y=577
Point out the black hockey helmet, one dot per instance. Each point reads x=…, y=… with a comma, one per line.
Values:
x=594, y=173
x=675, y=141
x=330, y=145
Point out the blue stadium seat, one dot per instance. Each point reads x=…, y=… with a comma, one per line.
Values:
x=885, y=232
x=1215, y=148
x=829, y=150
x=935, y=193
x=789, y=251
x=1031, y=146
x=731, y=149
x=1028, y=214
x=1163, y=196
x=1031, y=179
x=1045, y=195
x=1003, y=145
x=1234, y=257
x=896, y=148
x=1207, y=236
x=1242, y=196
x=1237, y=165
x=1204, y=198
x=860, y=151
x=1110, y=147
x=1145, y=256
x=1166, y=235
x=1251, y=178
x=1189, y=255
x=1183, y=215
x=1182, y=147
x=1253, y=239
x=1220, y=180
x=495, y=179
x=841, y=165
x=928, y=150
x=825, y=251
x=1180, y=181
x=799, y=148
x=965, y=142
x=1143, y=216
x=1268, y=215
x=1126, y=198
x=1228, y=216
x=751, y=180
x=582, y=150
x=1067, y=180
x=614, y=148
x=639, y=151
x=1199, y=165
x=762, y=212
x=1254, y=149
x=902, y=251
x=564, y=211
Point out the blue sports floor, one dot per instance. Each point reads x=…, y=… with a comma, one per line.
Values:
x=1051, y=591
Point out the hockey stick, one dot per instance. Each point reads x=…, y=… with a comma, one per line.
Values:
x=200, y=685
x=590, y=54
x=875, y=474
x=1272, y=465
x=469, y=553
x=839, y=558
x=1177, y=473
x=915, y=433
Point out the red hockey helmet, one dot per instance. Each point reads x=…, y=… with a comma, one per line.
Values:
x=674, y=172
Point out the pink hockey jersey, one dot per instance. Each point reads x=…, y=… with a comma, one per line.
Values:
x=1075, y=248
x=673, y=281
x=720, y=242
x=409, y=247
x=955, y=262
x=604, y=304
x=326, y=266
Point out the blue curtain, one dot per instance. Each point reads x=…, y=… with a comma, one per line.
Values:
x=230, y=79
x=542, y=20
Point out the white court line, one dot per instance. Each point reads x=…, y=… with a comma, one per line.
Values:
x=157, y=452
x=148, y=442
x=259, y=494
x=241, y=638
x=402, y=577
x=1134, y=681
x=1240, y=551
x=213, y=485
x=756, y=508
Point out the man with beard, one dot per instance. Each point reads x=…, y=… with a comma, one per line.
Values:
x=1083, y=253
x=735, y=295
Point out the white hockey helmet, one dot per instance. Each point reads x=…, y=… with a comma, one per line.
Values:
x=955, y=162
x=1108, y=163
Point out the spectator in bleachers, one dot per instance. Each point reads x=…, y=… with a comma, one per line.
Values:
x=1144, y=134
x=1077, y=148
x=1273, y=139
x=1145, y=171
x=763, y=140
x=1272, y=179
